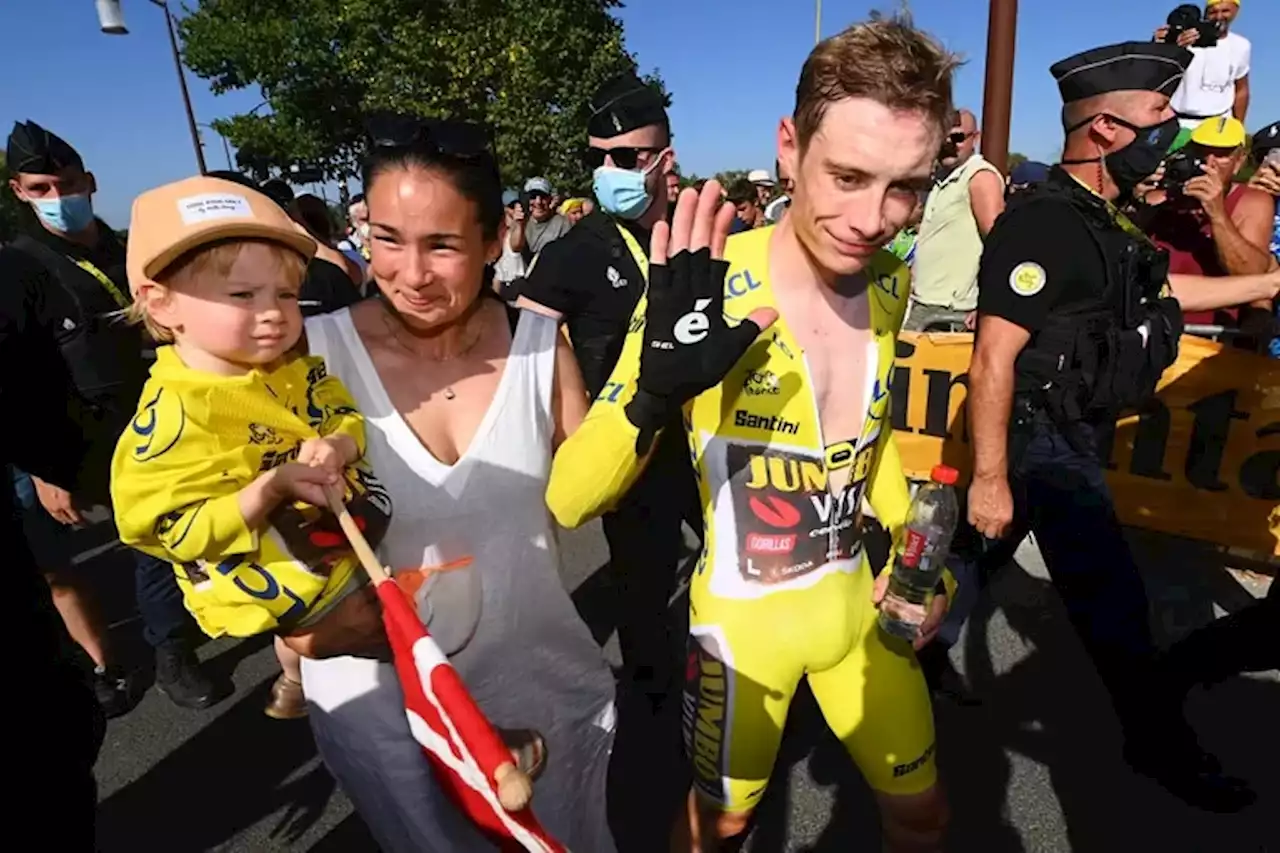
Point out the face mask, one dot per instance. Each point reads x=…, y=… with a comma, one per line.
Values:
x=1139, y=160
x=622, y=192
x=68, y=214
x=363, y=230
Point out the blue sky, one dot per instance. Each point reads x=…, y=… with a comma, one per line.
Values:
x=731, y=66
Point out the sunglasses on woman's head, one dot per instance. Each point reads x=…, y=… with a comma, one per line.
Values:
x=624, y=157
x=461, y=139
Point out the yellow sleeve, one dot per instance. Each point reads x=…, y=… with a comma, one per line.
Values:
x=596, y=465
x=174, y=486
x=339, y=413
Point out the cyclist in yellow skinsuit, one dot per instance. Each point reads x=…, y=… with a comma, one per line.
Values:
x=783, y=589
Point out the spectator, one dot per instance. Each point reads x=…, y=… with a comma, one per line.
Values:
x=967, y=197
x=1266, y=154
x=904, y=243
x=510, y=267
x=1211, y=225
x=673, y=193
x=571, y=209
x=543, y=224
x=356, y=244
x=1217, y=81
x=312, y=213
x=745, y=198
x=764, y=185
x=1026, y=175
x=331, y=284
x=70, y=272
x=773, y=210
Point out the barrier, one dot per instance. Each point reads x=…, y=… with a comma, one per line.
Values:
x=1200, y=460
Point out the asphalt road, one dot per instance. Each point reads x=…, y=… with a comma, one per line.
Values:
x=1035, y=767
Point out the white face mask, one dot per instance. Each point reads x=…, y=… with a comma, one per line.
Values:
x=363, y=230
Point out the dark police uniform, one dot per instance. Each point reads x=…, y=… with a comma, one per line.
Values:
x=1062, y=264
x=67, y=298
x=593, y=276
x=65, y=304
x=37, y=435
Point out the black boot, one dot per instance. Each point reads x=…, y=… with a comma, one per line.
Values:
x=1168, y=753
x=178, y=676
x=111, y=687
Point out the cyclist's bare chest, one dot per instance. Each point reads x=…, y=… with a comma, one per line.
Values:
x=834, y=336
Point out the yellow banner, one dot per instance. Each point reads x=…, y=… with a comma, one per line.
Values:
x=1201, y=460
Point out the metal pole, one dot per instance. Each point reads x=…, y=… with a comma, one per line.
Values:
x=182, y=83
x=226, y=149
x=817, y=23
x=997, y=95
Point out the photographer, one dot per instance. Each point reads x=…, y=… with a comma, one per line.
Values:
x=1210, y=225
x=1216, y=84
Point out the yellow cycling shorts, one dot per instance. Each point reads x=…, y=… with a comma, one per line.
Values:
x=745, y=660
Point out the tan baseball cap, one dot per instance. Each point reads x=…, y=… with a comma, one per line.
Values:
x=176, y=218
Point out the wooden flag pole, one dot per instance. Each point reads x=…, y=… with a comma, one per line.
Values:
x=515, y=788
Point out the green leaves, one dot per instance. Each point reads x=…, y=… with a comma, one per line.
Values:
x=527, y=68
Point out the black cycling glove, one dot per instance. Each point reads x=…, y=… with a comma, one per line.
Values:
x=688, y=347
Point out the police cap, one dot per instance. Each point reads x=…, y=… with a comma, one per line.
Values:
x=623, y=104
x=1132, y=66
x=35, y=151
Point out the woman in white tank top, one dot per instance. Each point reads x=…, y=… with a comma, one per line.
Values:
x=464, y=409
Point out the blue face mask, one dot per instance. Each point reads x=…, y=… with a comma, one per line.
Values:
x=622, y=192
x=69, y=214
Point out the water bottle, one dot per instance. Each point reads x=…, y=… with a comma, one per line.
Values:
x=918, y=564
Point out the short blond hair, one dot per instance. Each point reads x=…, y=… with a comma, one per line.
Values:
x=212, y=259
x=886, y=60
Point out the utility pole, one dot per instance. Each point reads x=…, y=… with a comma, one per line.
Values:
x=997, y=96
x=817, y=23
x=182, y=83
x=112, y=22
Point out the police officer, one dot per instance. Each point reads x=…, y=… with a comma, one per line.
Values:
x=592, y=278
x=70, y=269
x=1077, y=320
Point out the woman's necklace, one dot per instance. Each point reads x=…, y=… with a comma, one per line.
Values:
x=449, y=393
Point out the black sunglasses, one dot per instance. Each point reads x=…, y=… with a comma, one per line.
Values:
x=462, y=139
x=958, y=137
x=624, y=157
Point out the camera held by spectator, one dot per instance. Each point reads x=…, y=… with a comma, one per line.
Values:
x=1187, y=19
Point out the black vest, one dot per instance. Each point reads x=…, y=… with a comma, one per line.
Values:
x=1104, y=352
x=103, y=355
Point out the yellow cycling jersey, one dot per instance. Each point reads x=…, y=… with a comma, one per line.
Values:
x=196, y=440
x=782, y=590
x=760, y=428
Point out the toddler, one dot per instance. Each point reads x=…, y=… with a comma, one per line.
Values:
x=239, y=438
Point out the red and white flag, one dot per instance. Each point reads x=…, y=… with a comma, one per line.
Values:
x=463, y=747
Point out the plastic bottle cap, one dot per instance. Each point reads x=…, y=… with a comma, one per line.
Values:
x=944, y=474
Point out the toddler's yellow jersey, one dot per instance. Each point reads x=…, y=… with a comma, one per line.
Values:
x=198, y=439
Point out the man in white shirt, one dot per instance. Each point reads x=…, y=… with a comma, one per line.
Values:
x=1216, y=84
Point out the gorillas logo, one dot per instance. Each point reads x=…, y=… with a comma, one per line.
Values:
x=774, y=511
